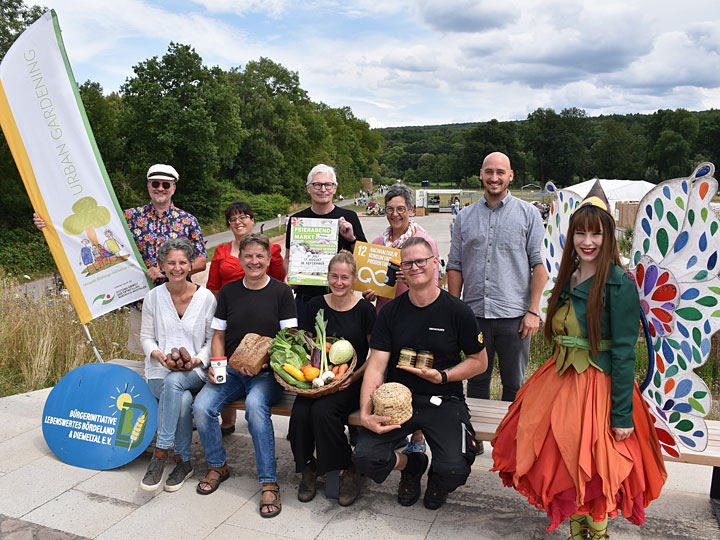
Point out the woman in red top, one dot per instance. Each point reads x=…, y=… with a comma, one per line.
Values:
x=225, y=267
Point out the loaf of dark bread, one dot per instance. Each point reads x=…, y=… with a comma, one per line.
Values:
x=251, y=354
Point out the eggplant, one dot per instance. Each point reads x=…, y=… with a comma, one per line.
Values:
x=315, y=357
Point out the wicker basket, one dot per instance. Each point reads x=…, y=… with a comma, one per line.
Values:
x=393, y=400
x=324, y=390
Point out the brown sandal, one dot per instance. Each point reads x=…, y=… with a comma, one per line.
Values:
x=224, y=474
x=274, y=488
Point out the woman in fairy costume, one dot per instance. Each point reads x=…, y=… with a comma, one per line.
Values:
x=578, y=441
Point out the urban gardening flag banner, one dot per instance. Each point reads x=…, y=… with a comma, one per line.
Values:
x=48, y=132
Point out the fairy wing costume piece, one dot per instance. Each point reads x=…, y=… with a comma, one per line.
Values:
x=564, y=203
x=675, y=267
x=674, y=264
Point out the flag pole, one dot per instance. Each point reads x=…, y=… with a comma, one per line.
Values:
x=92, y=343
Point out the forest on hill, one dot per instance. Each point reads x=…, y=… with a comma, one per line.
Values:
x=566, y=147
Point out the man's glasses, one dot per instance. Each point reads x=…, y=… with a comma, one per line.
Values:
x=420, y=263
x=165, y=185
x=400, y=210
x=317, y=186
x=239, y=217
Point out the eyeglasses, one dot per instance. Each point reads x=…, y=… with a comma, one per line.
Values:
x=166, y=185
x=399, y=210
x=420, y=263
x=240, y=217
x=317, y=186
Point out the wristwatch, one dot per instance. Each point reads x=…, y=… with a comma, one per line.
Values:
x=443, y=376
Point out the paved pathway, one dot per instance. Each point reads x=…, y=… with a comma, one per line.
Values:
x=41, y=497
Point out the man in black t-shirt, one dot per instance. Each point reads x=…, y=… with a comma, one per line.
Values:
x=262, y=305
x=430, y=319
x=322, y=185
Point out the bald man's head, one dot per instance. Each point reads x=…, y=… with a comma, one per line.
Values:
x=496, y=175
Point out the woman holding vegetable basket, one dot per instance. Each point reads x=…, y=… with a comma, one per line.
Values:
x=317, y=425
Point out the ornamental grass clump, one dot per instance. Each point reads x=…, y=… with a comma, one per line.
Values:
x=41, y=338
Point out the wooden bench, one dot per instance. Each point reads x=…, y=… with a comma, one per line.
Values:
x=486, y=415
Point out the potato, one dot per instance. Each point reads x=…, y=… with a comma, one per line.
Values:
x=175, y=354
x=179, y=364
x=184, y=354
x=170, y=363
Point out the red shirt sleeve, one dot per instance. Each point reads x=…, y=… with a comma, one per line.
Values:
x=214, y=281
x=275, y=269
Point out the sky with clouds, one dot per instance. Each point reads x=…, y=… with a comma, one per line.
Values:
x=419, y=62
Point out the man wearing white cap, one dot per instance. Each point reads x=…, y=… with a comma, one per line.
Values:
x=159, y=220
x=153, y=224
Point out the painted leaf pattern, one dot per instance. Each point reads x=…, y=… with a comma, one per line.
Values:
x=565, y=201
x=674, y=266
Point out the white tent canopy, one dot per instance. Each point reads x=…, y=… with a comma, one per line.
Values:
x=616, y=190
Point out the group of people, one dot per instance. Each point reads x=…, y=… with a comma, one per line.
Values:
x=577, y=440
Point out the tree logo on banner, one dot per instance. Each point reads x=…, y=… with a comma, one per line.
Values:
x=94, y=255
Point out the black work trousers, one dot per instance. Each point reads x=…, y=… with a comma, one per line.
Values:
x=443, y=429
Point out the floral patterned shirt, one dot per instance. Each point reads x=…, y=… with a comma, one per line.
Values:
x=150, y=230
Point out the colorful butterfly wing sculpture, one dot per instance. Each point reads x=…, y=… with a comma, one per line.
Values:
x=564, y=203
x=674, y=261
x=674, y=264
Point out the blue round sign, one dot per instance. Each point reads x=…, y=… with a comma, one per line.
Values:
x=99, y=416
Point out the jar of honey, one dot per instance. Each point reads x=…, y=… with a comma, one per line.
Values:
x=424, y=360
x=407, y=357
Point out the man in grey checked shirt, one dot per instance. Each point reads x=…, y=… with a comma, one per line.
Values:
x=495, y=255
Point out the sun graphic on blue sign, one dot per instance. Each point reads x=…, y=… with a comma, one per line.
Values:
x=131, y=425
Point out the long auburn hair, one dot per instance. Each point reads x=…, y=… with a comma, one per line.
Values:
x=586, y=219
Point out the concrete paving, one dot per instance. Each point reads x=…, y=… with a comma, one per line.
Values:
x=41, y=497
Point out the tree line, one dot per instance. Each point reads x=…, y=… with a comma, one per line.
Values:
x=249, y=132
x=565, y=147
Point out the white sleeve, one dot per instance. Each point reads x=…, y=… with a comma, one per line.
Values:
x=218, y=324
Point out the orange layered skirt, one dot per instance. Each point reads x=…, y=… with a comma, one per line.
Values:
x=556, y=447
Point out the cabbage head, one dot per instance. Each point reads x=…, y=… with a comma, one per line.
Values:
x=341, y=352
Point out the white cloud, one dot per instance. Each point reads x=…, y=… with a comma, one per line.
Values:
x=274, y=8
x=426, y=61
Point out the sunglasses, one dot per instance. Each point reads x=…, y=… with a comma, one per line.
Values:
x=166, y=185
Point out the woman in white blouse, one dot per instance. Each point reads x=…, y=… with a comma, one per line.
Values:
x=176, y=314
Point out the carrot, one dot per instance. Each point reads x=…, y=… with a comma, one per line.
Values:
x=327, y=347
x=342, y=370
x=335, y=370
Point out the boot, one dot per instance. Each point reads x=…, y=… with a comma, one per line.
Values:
x=307, y=488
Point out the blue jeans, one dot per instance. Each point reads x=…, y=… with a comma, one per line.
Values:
x=260, y=392
x=174, y=394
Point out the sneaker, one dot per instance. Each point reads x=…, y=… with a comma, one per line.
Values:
x=349, y=486
x=416, y=445
x=410, y=476
x=153, y=476
x=435, y=496
x=182, y=471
